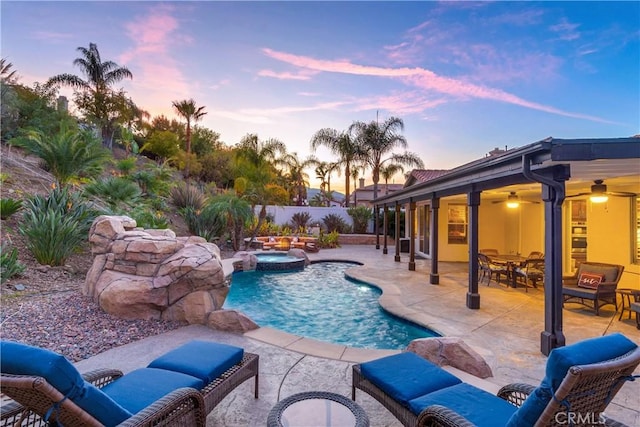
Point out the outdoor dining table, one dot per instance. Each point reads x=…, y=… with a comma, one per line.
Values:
x=511, y=261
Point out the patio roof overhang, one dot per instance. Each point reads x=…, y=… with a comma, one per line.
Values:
x=507, y=169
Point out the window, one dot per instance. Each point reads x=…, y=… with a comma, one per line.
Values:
x=457, y=225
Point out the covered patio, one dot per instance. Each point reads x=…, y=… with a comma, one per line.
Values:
x=548, y=172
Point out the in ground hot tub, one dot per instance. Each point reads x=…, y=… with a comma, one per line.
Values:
x=278, y=262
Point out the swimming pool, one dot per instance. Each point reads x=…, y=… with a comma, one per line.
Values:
x=319, y=302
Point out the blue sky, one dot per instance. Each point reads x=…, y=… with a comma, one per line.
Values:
x=464, y=76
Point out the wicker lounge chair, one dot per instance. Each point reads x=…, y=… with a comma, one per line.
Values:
x=581, y=378
x=54, y=392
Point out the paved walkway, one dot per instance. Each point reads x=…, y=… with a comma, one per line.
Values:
x=505, y=331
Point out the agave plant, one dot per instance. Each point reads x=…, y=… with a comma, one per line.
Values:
x=335, y=222
x=187, y=196
x=56, y=225
x=9, y=264
x=8, y=207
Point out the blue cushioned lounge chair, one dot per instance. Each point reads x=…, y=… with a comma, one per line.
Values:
x=580, y=381
x=177, y=389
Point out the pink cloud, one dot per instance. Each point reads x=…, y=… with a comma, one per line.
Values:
x=421, y=78
x=400, y=103
x=301, y=75
x=566, y=30
x=157, y=75
x=221, y=83
x=271, y=115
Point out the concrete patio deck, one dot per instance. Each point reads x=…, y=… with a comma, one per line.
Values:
x=505, y=331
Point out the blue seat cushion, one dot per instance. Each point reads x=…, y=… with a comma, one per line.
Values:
x=589, y=351
x=593, y=350
x=201, y=359
x=101, y=406
x=22, y=359
x=476, y=405
x=140, y=388
x=405, y=376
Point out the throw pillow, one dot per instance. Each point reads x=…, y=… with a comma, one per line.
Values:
x=590, y=280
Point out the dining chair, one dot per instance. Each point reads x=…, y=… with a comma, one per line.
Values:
x=487, y=268
x=531, y=270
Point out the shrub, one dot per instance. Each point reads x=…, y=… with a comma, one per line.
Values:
x=187, y=196
x=55, y=226
x=328, y=241
x=69, y=154
x=361, y=216
x=154, y=180
x=204, y=223
x=335, y=222
x=8, y=207
x=115, y=191
x=148, y=218
x=9, y=264
x=126, y=166
x=52, y=237
x=300, y=220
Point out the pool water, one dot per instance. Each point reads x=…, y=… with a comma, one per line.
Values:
x=319, y=302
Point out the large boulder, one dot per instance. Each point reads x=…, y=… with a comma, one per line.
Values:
x=152, y=274
x=453, y=352
x=230, y=321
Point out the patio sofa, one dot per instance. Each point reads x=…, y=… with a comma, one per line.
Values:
x=178, y=388
x=581, y=378
x=595, y=282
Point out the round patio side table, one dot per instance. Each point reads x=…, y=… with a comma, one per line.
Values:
x=317, y=408
x=627, y=294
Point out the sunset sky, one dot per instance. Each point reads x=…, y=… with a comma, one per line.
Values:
x=465, y=77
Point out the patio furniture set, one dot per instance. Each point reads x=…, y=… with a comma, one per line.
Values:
x=284, y=243
x=594, y=284
x=516, y=269
x=182, y=386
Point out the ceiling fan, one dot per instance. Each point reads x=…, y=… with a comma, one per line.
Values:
x=599, y=193
x=513, y=200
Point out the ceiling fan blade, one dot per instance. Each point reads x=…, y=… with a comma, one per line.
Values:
x=620, y=194
x=577, y=195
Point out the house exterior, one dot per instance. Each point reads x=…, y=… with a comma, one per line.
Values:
x=449, y=216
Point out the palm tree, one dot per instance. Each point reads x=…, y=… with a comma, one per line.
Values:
x=236, y=213
x=377, y=140
x=187, y=109
x=297, y=177
x=8, y=76
x=69, y=154
x=100, y=76
x=342, y=145
x=323, y=173
x=255, y=163
x=389, y=170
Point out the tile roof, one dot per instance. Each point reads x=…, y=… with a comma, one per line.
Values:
x=422, y=175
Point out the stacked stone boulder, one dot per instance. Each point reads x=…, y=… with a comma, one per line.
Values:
x=153, y=274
